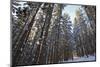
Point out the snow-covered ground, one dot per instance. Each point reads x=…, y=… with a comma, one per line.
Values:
x=84, y=58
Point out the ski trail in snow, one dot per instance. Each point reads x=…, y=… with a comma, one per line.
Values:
x=84, y=58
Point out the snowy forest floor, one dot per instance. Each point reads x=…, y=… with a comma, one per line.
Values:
x=82, y=59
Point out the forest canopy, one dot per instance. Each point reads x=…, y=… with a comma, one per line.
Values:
x=48, y=33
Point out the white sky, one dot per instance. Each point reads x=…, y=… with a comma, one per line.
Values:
x=71, y=10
